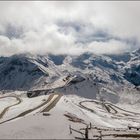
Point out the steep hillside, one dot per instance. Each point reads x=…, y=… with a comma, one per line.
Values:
x=132, y=68
x=21, y=72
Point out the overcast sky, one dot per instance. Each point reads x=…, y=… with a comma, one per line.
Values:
x=69, y=27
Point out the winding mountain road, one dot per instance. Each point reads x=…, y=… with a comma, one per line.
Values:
x=52, y=104
x=7, y=108
x=51, y=101
x=108, y=107
x=114, y=106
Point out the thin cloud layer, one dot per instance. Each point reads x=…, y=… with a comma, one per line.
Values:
x=69, y=27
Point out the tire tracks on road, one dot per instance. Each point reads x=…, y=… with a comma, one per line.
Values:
x=53, y=104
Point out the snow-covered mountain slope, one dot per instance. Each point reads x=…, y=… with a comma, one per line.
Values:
x=100, y=69
x=83, y=88
x=27, y=71
x=60, y=92
x=116, y=70
x=17, y=72
x=69, y=111
x=132, y=69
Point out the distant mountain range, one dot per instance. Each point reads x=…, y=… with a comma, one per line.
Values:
x=28, y=71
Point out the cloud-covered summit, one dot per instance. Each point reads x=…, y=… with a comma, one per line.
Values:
x=69, y=27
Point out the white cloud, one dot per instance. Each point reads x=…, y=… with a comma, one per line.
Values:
x=5, y=46
x=110, y=47
x=41, y=34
